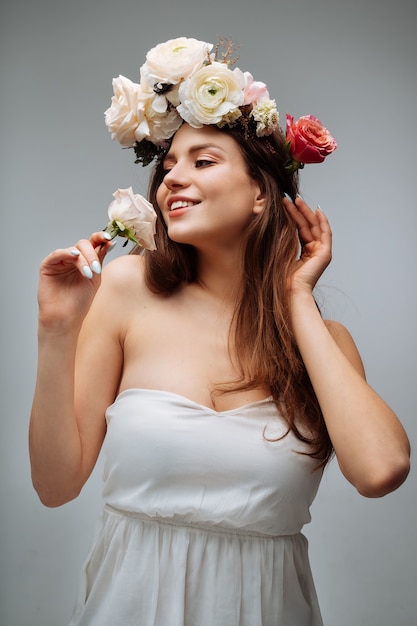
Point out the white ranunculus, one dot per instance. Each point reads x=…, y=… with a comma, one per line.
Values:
x=210, y=94
x=133, y=217
x=174, y=60
x=122, y=116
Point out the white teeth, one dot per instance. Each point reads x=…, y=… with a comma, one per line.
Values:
x=180, y=204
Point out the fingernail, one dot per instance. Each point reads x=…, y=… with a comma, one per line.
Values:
x=87, y=272
x=96, y=267
x=288, y=197
x=298, y=196
x=112, y=245
x=107, y=236
x=75, y=252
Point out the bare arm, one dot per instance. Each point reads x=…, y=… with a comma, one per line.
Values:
x=371, y=446
x=65, y=436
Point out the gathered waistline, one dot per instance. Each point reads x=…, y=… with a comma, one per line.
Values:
x=215, y=529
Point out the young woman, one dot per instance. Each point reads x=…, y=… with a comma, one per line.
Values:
x=206, y=368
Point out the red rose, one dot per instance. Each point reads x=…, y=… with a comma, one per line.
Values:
x=308, y=140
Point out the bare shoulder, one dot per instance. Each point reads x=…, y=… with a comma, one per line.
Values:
x=124, y=271
x=122, y=287
x=345, y=341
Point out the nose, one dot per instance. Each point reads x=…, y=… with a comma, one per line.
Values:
x=176, y=177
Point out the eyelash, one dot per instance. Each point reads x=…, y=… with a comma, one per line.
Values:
x=198, y=163
x=204, y=161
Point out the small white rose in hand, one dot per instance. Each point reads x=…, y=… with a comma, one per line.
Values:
x=133, y=217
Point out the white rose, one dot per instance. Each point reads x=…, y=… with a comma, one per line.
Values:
x=211, y=93
x=133, y=217
x=174, y=60
x=122, y=116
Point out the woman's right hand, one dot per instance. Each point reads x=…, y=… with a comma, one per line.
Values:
x=68, y=281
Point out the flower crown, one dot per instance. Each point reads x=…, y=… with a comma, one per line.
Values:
x=182, y=80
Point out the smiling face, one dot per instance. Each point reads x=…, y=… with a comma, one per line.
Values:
x=207, y=197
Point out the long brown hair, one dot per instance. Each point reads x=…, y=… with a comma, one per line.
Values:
x=260, y=332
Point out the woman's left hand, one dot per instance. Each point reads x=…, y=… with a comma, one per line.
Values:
x=316, y=244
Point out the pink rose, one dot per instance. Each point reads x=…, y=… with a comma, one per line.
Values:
x=309, y=141
x=254, y=90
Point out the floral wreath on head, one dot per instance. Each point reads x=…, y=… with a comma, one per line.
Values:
x=184, y=80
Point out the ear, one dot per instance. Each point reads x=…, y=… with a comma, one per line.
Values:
x=260, y=199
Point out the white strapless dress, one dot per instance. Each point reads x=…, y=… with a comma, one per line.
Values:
x=202, y=519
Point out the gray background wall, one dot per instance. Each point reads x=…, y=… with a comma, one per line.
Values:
x=353, y=64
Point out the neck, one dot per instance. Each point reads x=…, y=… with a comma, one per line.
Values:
x=221, y=274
